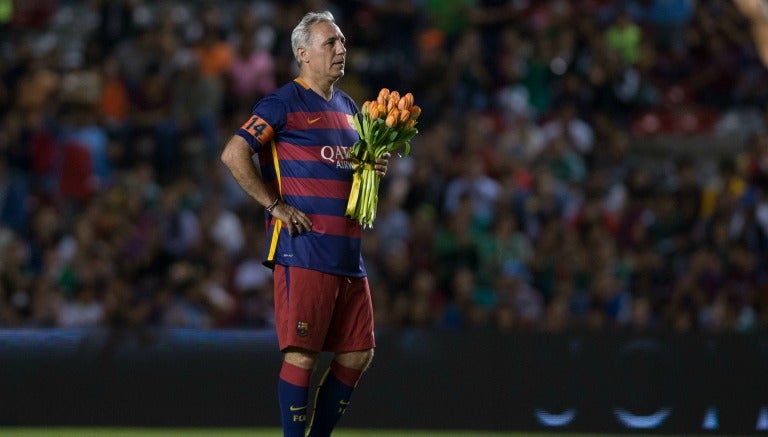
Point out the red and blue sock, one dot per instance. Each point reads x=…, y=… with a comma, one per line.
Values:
x=332, y=398
x=293, y=393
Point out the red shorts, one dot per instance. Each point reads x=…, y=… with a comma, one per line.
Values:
x=322, y=312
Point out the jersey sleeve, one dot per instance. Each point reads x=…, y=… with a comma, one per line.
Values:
x=268, y=117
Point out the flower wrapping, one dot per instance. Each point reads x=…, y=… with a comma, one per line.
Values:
x=384, y=125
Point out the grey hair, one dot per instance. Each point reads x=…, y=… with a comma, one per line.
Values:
x=300, y=35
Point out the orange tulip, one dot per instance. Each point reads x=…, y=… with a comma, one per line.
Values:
x=382, y=111
x=415, y=112
x=373, y=111
x=394, y=95
x=394, y=113
x=405, y=102
x=405, y=116
x=383, y=96
x=391, y=104
x=364, y=108
x=391, y=121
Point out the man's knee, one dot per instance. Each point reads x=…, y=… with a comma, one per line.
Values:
x=300, y=357
x=359, y=360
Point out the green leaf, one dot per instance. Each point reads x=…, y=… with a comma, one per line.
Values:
x=358, y=126
x=406, y=148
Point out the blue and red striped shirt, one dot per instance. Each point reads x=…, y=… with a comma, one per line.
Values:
x=303, y=144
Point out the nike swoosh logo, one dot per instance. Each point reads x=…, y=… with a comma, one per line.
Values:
x=313, y=120
x=344, y=402
x=292, y=408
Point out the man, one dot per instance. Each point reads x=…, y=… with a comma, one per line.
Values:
x=303, y=132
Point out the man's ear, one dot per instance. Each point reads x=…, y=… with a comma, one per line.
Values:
x=303, y=55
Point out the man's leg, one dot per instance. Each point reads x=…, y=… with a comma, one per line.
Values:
x=335, y=390
x=293, y=390
x=303, y=310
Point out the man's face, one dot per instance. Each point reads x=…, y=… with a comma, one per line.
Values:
x=324, y=56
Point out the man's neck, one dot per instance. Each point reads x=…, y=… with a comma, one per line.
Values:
x=323, y=88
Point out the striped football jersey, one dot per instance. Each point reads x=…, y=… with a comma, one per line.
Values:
x=303, y=143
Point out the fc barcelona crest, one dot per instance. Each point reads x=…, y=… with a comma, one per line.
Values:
x=302, y=329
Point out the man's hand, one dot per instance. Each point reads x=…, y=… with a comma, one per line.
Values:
x=382, y=164
x=296, y=221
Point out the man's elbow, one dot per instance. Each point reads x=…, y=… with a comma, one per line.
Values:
x=230, y=154
x=226, y=155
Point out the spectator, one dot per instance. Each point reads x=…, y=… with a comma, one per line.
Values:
x=197, y=101
x=473, y=189
x=85, y=310
x=252, y=71
x=114, y=102
x=624, y=36
x=14, y=189
x=567, y=126
x=215, y=55
x=454, y=245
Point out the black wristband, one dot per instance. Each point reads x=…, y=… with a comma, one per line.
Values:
x=273, y=205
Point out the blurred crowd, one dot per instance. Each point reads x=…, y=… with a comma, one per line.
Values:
x=528, y=202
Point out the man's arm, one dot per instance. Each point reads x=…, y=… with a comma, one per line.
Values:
x=238, y=157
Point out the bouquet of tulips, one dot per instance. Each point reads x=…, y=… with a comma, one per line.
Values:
x=384, y=125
